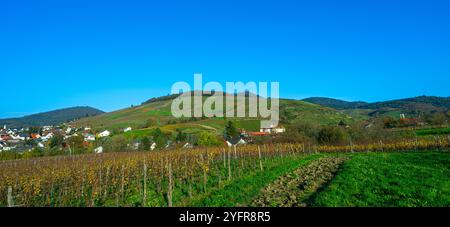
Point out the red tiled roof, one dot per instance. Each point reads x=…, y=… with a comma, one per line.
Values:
x=258, y=133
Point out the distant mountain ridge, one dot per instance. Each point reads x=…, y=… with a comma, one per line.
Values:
x=414, y=105
x=429, y=103
x=335, y=103
x=54, y=117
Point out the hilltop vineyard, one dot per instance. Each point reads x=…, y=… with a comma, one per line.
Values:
x=163, y=178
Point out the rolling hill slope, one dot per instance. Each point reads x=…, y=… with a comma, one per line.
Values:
x=157, y=113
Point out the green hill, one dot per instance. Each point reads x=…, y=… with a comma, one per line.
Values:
x=334, y=103
x=54, y=117
x=157, y=113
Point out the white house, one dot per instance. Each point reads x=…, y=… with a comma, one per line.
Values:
x=47, y=137
x=8, y=148
x=279, y=130
x=89, y=138
x=153, y=146
x=127, y=129
x=188, y=146
x=104, y=134
x=68, y=136
x=235, y=141
x=98, y=150
x=273, y=129
x=14, y=137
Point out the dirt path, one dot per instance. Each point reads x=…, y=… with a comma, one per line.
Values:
x=207, y=127
x=293, y=189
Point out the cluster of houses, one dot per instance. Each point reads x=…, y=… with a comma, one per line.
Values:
x=16, y=139
x=10, y=138
x=23, y=140
x=246, y=137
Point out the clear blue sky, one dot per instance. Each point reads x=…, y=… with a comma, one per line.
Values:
x=111, y=54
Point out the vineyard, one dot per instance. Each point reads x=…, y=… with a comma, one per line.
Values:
x=163, y=178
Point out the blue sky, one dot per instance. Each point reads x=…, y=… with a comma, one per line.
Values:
x=111, y=54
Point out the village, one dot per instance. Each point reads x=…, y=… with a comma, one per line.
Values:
x=28, y=139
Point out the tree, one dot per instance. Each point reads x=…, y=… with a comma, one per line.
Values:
x=159, y=138
x=76, y=144
x=181, y=136
x=119, y=143
x=105, y=142
x=230, y=130
x=146, y=143
x=35, y=130
x=56, y=141
x=389, y=122
x=30, y=143
x=307, y=129
x=342, y=123
x=330, y=135
x=438, y=118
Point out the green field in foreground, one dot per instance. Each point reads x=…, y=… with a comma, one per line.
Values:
x=365, y=179
x=390, y=179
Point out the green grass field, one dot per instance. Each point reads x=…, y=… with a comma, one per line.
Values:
x=390, y=179
x=433, y=131
x=404, y=179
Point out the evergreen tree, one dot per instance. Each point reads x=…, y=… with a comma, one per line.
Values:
x=230, y=130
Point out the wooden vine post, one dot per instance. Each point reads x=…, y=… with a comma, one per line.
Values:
x=416, y=144
x=229, y=164
x=106, y=182
x=381, y=145
x=144, y=202
x=224, y=159
x=169, y=191
x=204, y=168
x=10, y=197
x=260, y=161
x=122, y=186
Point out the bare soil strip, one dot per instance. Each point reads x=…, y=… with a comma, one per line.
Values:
x=293, y=189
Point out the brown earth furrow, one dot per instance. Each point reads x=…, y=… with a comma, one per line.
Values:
x=293, y=189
